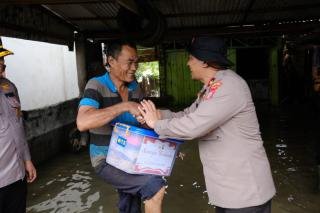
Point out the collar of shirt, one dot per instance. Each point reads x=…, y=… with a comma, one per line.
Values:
x=108, y=82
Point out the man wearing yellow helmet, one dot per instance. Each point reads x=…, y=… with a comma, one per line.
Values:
x=16, y=167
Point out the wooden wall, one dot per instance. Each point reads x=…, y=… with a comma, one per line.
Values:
x=178, y=83
x=178, y=79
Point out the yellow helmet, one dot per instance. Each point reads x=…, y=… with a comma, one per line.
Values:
x=4, y=52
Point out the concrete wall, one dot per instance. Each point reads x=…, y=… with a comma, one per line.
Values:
x=45, y=74
x=48, y=129
x=47, y=79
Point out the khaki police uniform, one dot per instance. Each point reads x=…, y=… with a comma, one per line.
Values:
x=223, y=119
x=14, y=150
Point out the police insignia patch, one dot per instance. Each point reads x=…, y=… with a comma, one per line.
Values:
x=5, y=87
x=213, y=87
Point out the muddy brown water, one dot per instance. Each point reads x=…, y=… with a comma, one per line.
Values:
x=67, y=183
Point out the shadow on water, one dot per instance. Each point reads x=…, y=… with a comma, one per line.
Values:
x=68, y=183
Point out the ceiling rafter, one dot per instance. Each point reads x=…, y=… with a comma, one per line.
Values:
x=246, y=14
x=215, y=13
x=54, y=2
x=98, y=17
x=258, y=28
x=225, y=18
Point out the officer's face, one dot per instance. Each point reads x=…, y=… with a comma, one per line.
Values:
x=2, y=68
x=195, y=67
x=125, y=65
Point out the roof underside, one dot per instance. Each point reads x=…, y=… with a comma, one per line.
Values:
x=186, y=18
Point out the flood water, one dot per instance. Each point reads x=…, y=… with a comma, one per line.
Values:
x=67, y=183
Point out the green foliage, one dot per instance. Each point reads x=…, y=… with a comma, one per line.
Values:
x=148, y=69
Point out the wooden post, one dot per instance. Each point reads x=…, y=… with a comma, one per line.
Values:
x=274, y=76
x=232, y=56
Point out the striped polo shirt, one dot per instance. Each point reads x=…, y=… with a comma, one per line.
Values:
x=100, y=92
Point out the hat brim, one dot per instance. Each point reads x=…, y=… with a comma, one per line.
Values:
x=209, y=56
x=4, y=52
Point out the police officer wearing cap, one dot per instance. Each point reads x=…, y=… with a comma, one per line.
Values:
x=16, y=167
x=224, y=122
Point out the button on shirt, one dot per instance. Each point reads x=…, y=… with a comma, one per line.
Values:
x=13, y=145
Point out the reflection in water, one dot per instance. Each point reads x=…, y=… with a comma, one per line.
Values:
x=76, y=196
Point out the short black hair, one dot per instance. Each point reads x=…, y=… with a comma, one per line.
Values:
x=114, y=48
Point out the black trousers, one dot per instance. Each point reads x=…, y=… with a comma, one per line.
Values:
x=264, y=208
x=13, y=197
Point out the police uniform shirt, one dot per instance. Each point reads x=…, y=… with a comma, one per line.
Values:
x=13, y=145
x=223, y=119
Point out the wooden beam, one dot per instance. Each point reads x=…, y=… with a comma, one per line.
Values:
x=245, y=16
x=54, y=2
x=268, y=30
x=107, y=18
x=130, y=5
x=186, y=33
x=63, y=39
x=96, y=15
x=62, y=19
x=250, y=11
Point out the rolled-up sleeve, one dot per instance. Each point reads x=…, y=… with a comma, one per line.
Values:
x=91, y=97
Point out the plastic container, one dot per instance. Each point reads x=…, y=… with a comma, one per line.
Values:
x=140, y=151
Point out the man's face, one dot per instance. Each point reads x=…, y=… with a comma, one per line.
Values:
x=195, y=67
x=125, y=65
x=2, y=68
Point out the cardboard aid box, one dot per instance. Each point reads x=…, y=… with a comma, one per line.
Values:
x=140, y=151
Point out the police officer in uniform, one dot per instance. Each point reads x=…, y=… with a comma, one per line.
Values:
x=223, y=119
x=16, y=167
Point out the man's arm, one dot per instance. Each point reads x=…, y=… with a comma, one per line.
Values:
x=89, y=117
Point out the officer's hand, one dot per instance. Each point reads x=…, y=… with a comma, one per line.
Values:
x=149, y=112
x=31, y=171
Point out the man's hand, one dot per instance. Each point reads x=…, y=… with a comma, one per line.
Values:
x=140, y=119
x=31, y=171
x=132, y=107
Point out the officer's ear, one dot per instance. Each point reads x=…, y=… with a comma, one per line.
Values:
x=204, y=64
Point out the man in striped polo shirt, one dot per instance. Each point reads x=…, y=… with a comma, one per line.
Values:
x=113, y=97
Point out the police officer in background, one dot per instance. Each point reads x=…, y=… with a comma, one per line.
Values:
x=16, y=167
x=223, y=119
